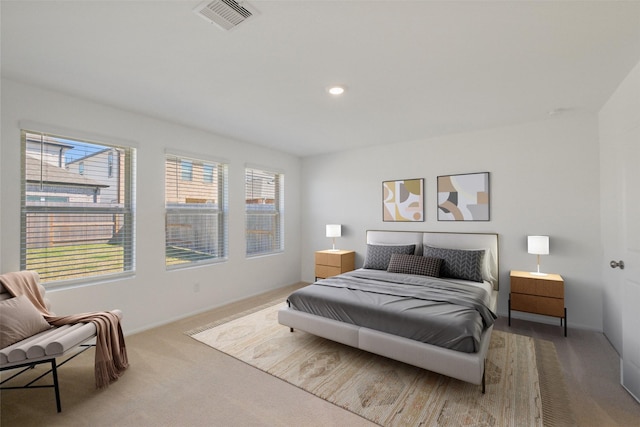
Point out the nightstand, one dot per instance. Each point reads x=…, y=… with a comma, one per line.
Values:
x=538, y=294
x=331, y=263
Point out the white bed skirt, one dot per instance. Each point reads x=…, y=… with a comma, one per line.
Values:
x=467, y=367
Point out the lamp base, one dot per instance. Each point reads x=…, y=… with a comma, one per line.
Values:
x=537, y=273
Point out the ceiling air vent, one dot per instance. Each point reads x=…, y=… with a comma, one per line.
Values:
x=227, y=14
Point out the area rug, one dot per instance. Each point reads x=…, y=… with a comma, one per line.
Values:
x=525, y=385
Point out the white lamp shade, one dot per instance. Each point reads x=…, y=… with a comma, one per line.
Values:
x=538, y=245
x=334, y=230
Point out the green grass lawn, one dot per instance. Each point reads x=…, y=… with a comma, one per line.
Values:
x=74, y=262
x=177, y=255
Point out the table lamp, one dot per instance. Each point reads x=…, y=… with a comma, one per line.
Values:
x=333, y=231
x=538, y=245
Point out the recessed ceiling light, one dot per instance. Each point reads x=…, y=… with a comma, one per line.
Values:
x=336, y=90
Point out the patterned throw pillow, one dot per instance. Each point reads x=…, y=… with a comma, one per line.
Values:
x=378, y=256
x=458, y=263
x=415, y=264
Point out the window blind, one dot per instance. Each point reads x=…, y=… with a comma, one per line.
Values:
x=264, y=196
x=77, y=207
x=196, y=212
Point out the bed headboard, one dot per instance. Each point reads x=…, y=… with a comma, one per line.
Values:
x=487, y=241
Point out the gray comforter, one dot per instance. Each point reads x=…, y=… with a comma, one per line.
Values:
x=426, y=309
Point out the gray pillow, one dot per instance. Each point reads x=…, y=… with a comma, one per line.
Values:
x=458, y=263
x=20, y=319
x=415, y=264
x=378, y=256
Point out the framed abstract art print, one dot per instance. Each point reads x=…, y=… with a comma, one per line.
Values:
x=463, y=197
x=403, y=200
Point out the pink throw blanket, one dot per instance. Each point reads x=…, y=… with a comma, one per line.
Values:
x=111, y=353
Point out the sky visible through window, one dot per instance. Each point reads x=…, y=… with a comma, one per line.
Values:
x=80, y=149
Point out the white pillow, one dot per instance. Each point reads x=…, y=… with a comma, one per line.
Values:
x=19, y=319
x=489, y=260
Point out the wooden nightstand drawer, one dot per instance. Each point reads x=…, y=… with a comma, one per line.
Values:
x=540, y=287
x=331, y=263
x=325, y=271
x=324, y=258
x=537, y=304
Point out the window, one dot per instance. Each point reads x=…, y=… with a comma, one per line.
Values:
x=196, y=212
x=110, y=165
x=75, y=223
x=187, y=170
x=264, y=205
x=207, y=174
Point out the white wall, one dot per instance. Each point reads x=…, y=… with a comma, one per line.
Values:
x=617, y=120
x=153, y=296
x=544, y=180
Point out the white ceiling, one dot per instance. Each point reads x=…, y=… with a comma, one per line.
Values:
x=414, y=69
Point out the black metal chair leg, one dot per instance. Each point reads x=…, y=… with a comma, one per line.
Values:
x=54, y=372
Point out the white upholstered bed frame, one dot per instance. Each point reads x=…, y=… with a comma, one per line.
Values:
x=467, y=367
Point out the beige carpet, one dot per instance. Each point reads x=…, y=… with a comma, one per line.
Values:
x=525, y=386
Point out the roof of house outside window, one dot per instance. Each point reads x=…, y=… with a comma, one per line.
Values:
x=54, y=175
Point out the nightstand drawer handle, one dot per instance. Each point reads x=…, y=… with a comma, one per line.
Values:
x=615, y=264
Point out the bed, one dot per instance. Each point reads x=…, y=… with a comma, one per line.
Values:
x=395, y=307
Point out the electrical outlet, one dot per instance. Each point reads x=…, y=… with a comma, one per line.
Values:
x=196, y=287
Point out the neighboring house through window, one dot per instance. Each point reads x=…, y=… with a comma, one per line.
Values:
x=76, y=223
x=264, y=201
x=196, y=211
